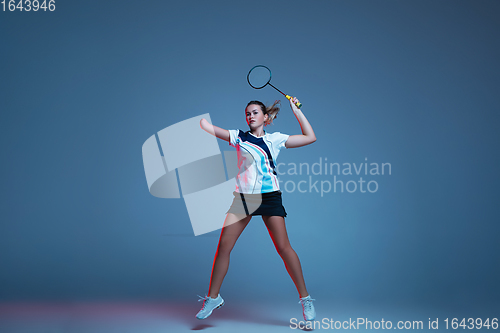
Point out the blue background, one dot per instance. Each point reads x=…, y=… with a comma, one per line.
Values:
x=410, y=83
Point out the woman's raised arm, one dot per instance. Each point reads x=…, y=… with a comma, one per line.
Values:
x=214, y=130
x=307, y=136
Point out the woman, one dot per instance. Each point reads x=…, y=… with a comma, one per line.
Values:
x=257, y=193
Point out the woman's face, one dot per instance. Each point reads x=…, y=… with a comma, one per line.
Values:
x=255, y=116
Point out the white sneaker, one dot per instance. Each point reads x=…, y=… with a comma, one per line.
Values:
x=308, y=307
x=209, y=305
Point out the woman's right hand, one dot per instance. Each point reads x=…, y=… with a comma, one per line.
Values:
x=204, y=124
x=214, y=130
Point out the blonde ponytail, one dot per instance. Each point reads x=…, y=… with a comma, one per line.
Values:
x=272, y=112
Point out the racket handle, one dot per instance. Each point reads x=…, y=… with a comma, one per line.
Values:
x=298, y=104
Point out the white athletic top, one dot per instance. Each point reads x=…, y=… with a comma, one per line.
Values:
x=257, y=160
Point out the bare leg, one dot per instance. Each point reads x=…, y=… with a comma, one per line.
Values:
x=228, y=237
x=277, y=230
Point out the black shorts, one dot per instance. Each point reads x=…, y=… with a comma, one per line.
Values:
x=267, y=204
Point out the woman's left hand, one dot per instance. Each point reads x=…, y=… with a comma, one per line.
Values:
x=294, y=101
x=307, y=136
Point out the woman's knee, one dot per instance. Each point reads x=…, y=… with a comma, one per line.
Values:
x=284, y=249
x=224, y=249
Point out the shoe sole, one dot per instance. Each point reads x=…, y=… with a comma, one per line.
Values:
x=218, y=306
